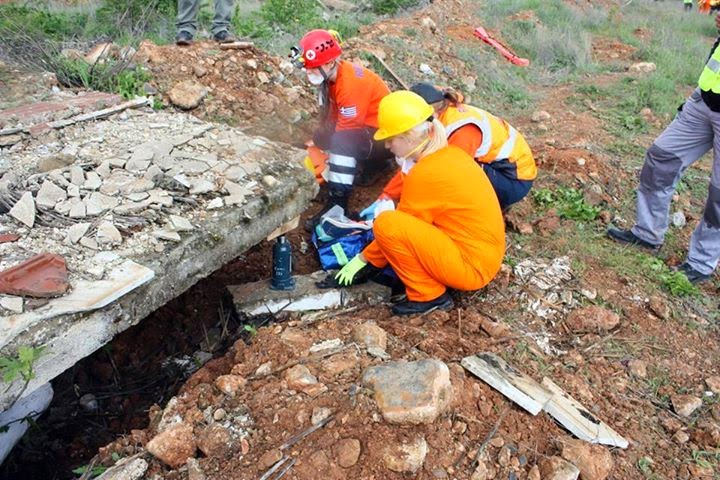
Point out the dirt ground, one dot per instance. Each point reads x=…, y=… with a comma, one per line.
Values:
x=673, y=338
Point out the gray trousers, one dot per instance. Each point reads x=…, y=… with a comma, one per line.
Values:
x=693, y=132
x=187, y=16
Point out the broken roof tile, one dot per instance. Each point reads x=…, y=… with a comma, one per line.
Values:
x=42, y=276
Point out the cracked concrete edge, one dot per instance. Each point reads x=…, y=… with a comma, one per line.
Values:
x=220, y=239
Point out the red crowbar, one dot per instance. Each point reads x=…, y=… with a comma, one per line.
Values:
x=483, y=35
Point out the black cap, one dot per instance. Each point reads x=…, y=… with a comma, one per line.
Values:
x=428, y=92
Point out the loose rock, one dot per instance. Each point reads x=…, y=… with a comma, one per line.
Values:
x=319, y=414
x=411, y=392
x=638, y=368
x=643, y=67
x=540, y=116
x=50, y=194
x=713, y=383
x=107, y=234
x=370, y=335
x=24, y=210
x=592, y=319
x=173, y=446
x=556, y=468
x=214, y=441
x=195, y=471
x=269, y=459
x=404, y=458
x=347, y=452
x=230, y=384
x=685, y=405
x=594, y=461
x=188, y=94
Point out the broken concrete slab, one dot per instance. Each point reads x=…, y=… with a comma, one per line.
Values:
x=42, y=276
x=13, y=304
x=24, y=210
x=76, y=232
x=256, y=298
x=50, y=194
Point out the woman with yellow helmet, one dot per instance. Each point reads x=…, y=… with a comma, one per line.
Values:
x=448, y=229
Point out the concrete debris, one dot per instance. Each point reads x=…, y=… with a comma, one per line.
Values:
x=166, y=235
x=180, y=224
x=410, y=392
x=270, y=181
x=24, y=210
x=406, y=457
x=126, y=469
x=685, y=405
x=78, y=210
x=545, y=283
x=17, y=417
x=12, y=304
x=216, y=203
x=195, y=471
x=326, y=346
x=49, y=195
x=201, y=186
x=107, y=234
x=89, y=243
x=174, y=446
x=77, y=176
x=73, y=191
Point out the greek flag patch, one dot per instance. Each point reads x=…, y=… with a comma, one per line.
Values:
x=348, y=112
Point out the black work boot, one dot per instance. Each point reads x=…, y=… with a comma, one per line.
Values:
x=334, y=197
x=183, y=38
x=693, y=275
x=443, y=302
x=626, y=236
x=225, y=37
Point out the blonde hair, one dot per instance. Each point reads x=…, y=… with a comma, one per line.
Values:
x=432, y=130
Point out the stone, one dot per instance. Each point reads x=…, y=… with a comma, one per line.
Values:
x=370, y=335
x=173, y=446
x=180, y=224
x=685, y=405
x=199, y=71
x=194, y=470
x=92, y=181
x=107, y=234
x=230, y=384
x=319, y=414
x=24, y=210
x=540, y=116
x=166, y=235
x=263, y=77
x=481, y=472
x=269, y=458
x=659, y=307
x=592, y=319
x=214, y=441
x=53, y=163
x=405, y=457
x=680, y=437
x=49, y=195
x=264, y=370
x=270, y=181
x=13, y=304
x=97, y=203
x=671, y=424
x=137, y=196
x=201, y=185
x=594, y=461
x=139, y=185
x=643, y=67
x=73, y=190
x=89, y=243
x=78, y=210
x=187, y=94
x=153, y=173
x=713, y=383
x=678, y=219
x=126, y=469
x=410, y=392
x=556, y=468
x=534, y=473
x=300, y=378
x=347, y=452
x=637, y=368
x=326, y=346
x=194, y=166
x=77, y=175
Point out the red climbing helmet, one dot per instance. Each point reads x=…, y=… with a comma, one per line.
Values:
x=319, y=47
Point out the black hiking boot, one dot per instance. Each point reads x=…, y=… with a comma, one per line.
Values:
x=443, y=302
x=183, y=38
x=225, y=37
x=626, y=236
x=693, y=275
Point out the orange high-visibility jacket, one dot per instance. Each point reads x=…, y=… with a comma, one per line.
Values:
x=450, y=191
x=355, y=96
x=489, y=139
x=485, y=137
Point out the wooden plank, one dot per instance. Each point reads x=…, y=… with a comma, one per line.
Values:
x=389, y=70
x=576, y=418
x=515, y=385
x=284, y=228
x=236, y=45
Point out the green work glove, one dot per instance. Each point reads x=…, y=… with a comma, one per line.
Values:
x=346, y=274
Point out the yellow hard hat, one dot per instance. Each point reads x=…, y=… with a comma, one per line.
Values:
x=399, y=112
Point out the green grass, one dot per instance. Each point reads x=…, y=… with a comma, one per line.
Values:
x=568, y=202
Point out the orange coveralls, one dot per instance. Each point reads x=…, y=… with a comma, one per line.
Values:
x=447, y=231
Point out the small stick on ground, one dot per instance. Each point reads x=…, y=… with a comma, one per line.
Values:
x=296, y=438
x=459, y=325
x=236, y=45
x=489, y=437
x=274, y=468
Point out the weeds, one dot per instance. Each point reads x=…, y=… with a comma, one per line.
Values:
x=382, y=7
x=568, y=202
x=20, y=368
x=674, y=281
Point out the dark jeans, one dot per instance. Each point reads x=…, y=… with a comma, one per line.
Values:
x=509, y=190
